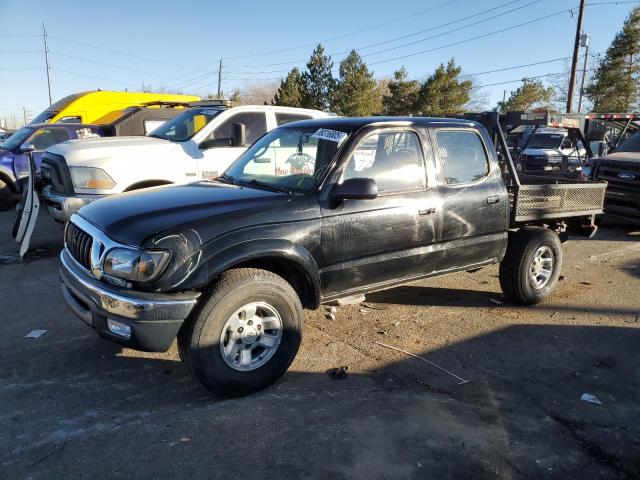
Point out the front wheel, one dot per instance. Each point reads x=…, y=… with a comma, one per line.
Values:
x=245, y=334
x=530, y=269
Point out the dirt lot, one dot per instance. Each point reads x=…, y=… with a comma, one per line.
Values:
x=76, y=406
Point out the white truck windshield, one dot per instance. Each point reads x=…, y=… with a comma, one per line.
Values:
x=185, y=125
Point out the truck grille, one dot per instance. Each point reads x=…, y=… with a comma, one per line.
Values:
x=623, y=190
x=79, y=244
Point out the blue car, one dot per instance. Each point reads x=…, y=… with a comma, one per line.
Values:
x=14, y=165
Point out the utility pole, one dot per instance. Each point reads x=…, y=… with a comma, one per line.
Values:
x=46, y=61
x=24, y=115
x=574, y=61
x=584, y=42
x=220, y=80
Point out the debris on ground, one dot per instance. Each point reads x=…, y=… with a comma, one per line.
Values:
x=331, y=309
x=497, y=301
x=585, y=283
x=352, y=300
x=330, y=316
x=461, y=380
x=606, y=362
x=372, y=307
x=339, y=373
x=588, y=397
x=185, y=439
x=35, y=334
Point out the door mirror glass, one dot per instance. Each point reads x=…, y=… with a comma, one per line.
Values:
x=355, y=189
x=216, y=143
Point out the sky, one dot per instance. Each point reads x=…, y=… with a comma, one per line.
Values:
x=120, y=45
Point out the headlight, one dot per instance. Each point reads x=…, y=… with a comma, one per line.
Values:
x=555, y=159
x=135, y=265
x=90, y=177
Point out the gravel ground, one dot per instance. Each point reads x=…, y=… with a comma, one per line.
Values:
x=76, y=406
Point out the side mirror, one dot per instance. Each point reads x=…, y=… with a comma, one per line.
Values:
x=355, y=189
x=239, y=135
x=27, y=147
x=215, y=143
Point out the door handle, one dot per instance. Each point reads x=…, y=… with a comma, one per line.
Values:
x=427, y=211
x=492, y=200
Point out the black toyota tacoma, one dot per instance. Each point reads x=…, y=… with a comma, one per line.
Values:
x=314, y=211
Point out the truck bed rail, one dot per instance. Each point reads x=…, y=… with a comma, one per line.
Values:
x=545, y=198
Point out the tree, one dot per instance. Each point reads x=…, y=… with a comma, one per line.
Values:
x=615, y=85
x=443, y=92
x=531, y=94
x=356, y=93
x=290, y=92
x=403, y=94
x=318, y=83
x=258, y=92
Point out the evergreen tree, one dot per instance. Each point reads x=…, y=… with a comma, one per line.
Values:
x=318, y=83
x=443, y=92
x=531, y=94
x=290, y=92
x=403, y=94
x=356, y=93
x=615, y=85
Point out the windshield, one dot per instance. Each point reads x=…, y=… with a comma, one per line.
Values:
x=287, y=158
x=546, y=140
x=632, y=144
x=185, y=125
x=17, y=139
x=44, y=117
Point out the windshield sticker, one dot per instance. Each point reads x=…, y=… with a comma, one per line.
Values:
x=331, y=135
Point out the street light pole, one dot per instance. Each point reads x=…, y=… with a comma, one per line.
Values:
x=574, y=61
x=46, y=61
x=584, y=42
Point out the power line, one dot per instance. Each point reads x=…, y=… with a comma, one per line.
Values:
x=59, y=54
x=344, y=35
x=95, y=77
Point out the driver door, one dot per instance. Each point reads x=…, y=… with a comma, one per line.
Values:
x=214, y=161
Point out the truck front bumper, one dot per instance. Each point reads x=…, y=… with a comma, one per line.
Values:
x=150, y=321
x=61, y=207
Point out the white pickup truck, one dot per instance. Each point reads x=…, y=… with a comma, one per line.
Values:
x=548, y=149
x=196, y=145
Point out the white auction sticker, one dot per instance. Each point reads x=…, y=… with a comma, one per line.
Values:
x=331, y=135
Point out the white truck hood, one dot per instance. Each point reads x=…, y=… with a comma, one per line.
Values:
x=94, y=151
x=547, y=152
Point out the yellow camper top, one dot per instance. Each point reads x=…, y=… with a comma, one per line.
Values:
x=87, y=107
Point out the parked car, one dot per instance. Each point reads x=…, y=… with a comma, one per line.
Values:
x=551, y=149
x=130, y=121
x=89, y=107
x=14, y=164
x=306, y=216
x=620, y=168
x=198, y=144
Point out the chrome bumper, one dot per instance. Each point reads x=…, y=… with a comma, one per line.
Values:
x=154, y=318
x=61, y=207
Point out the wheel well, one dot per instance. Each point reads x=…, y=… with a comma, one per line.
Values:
x=7, y=180
x=147, y=184
x=291, y=272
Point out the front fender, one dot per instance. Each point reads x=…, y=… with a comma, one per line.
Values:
x=196, y=267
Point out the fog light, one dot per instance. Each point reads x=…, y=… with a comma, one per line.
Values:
x=119, y=328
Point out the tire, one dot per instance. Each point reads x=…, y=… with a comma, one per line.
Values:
x=207, y=332
x=517, y=268
x=6, y=196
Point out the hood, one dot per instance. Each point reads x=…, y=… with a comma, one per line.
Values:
x=133, y=217
x=629, y=157
x=546, y=152
x=84, y=152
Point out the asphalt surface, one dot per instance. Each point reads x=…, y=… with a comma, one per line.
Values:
x=75, y=406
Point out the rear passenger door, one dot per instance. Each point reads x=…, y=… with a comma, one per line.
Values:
x=391, y=237
x=475, y=214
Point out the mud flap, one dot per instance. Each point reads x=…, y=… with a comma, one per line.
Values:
x=27, y=211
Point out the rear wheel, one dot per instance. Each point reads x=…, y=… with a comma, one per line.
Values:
x=6, y=196
x=245, y=334
x=530, y=269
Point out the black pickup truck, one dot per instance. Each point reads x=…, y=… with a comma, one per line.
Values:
x=314, y=211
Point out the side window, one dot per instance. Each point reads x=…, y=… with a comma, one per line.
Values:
x=45, y=137
x=87, y=132
x=282, y=118
x=255, y=126
x=463, y=157
x=393, y=159
x=151, y=124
